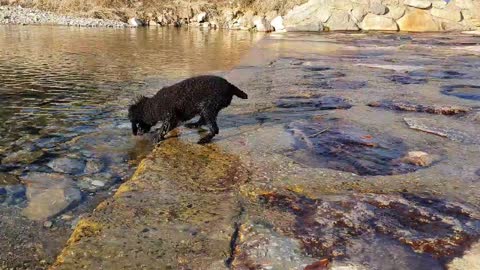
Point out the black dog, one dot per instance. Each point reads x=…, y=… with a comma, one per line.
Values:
x=204, y=96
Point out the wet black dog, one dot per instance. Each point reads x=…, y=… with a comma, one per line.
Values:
x=204, y=96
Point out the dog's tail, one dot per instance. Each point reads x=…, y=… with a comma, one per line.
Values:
x=239, y=93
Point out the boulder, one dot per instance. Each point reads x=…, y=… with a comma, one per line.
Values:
x=417, y=20
x=378, y=9
x=439, y=4
x=201, y=17
x=379, y=23
x=341, y=21
x=261, y=24
x=451, y=14
x=153, y=23
x=358, y=13
x=310, y=27
x=395, y=12
x=277, y=24
x=135, y=22
x=464, y=4
x=418, y=3
x=309, y=16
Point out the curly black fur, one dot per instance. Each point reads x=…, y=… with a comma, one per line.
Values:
x=203, y=95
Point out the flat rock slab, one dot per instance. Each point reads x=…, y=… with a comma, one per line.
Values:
x=442, y=129
x=412, y=107
x=178, y=211
x=322, y=103
x=399, y=68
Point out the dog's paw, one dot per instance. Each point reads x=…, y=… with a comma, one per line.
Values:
x=205, y=140
x=157, y=139
x=192, y=125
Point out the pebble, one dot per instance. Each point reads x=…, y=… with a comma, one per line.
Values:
x=47, y=224
x=98, y=183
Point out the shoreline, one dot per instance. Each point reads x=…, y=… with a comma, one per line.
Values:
x=312, y=16
x=28, y=16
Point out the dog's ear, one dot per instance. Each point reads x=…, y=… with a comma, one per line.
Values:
x=137, y=99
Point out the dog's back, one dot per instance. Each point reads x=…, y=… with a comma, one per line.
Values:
x=189, y=97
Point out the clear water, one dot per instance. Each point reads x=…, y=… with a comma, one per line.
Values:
x=64, y=93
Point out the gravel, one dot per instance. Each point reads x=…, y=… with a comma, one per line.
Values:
x=28, y=16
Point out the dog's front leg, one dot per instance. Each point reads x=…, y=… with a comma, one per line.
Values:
x=160, y=135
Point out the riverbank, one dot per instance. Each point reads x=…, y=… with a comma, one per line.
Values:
x=263, y=16
x=28, y=16
x=320, y=162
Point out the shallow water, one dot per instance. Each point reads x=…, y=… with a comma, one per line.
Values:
x=322, y=152
x=64, y=93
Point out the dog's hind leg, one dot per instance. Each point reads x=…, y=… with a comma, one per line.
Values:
x=201, y=122
x=211, y=121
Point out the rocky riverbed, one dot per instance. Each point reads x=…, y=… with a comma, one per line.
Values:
x=348, y=155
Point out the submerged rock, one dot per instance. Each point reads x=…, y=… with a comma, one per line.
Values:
x=22, y=157
x=260, y=246
x=418, y=158
x=7, y=179
x=406, y=79
x=462, y=91
x=331, y=226
x=94, y=166
x=322, y=103
x=412, y=107
x=339, y=145
x=49, y=194
x=67, y=165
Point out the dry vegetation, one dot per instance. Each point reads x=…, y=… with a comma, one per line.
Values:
x=122, y=9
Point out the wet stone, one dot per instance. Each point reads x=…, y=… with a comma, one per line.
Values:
x=322, y=103
x=96, y=182
x=67, y=165
x=49, y=142
x=49, y=194
x=93, y=166
x=412, y=107
x=405, y=79
x=260, y=246
x=339, y=145
x=7, y=179
x=330, y=225
x=13, y=195
x=471, y=92
x=22, y=157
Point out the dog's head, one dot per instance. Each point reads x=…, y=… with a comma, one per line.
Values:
x=135, y=115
